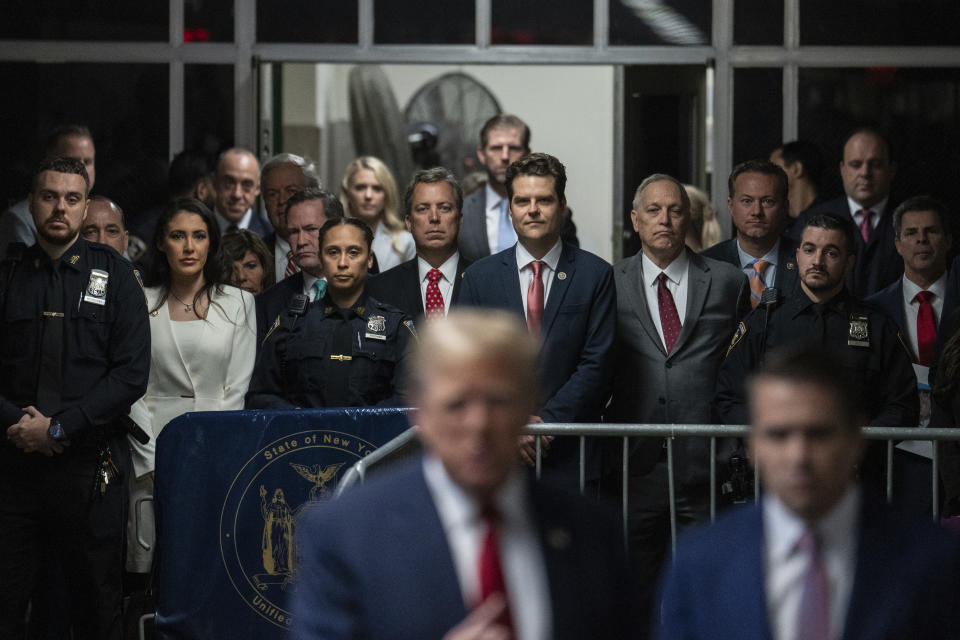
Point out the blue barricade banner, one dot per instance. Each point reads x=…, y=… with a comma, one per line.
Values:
x=229, y=489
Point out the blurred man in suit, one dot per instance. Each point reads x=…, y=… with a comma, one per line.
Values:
x=566, y=296
x=306, y=212
x=282, y=176
x=236, y=184
x=676, y=311
x=430, y=283
x=759, y=209
x=487, y=228
x=818, y=556
x=467, y=545
x=867, y=171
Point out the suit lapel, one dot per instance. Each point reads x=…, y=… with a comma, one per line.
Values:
x=510, y=281
x=698, y=285
x=559, y=287
x=412, y=285
x=166, y=336
x=786, y=267
x=636, y=298
x=458, y=278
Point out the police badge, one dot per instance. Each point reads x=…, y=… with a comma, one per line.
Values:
x=376, y=328
x=859, y=332
x=97, y=287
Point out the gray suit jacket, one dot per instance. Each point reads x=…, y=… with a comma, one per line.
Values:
x=651, y=386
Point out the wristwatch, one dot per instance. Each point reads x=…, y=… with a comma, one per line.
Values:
x=55, y=431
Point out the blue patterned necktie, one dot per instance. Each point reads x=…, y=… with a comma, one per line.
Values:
x=506, y=236
x=320, y=286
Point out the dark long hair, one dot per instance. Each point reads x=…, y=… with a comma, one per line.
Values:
x=160, y=275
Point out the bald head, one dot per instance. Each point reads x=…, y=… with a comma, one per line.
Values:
x=237, y=183
x=104, y=223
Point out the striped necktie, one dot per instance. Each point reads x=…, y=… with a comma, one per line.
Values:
x=757, y=283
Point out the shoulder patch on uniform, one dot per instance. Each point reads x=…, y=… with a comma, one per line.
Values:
x=276, y=323
x=737, y=337
x=409, y=325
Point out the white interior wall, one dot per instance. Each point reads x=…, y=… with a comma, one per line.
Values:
x=569, y=110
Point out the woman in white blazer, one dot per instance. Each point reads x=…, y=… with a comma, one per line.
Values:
x=203, y=345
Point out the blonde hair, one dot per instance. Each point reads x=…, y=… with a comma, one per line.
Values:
x=466, y=336
x=390, y=215
x=703, y=217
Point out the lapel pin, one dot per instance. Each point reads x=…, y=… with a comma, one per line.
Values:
x=558, y=539
x=791, y=266
x=562, y=275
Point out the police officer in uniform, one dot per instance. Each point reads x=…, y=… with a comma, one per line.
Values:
x=824, y=313
x=345, y=349
x=75, y=348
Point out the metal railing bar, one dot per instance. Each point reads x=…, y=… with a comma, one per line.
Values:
x=583, y=464
x=889, y=470
x=672, y=496
x=713, y=478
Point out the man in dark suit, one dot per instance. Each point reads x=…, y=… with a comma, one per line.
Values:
x=236, y=185
x=867, y=171
x=282, y=176
x=818, y=556
x=466, y=544
x=676, y=311
x=916, y=302
x=802, y=161
x=759, y=209
x=486, y=227
x=431, y=281
x=306, y=212
x=566, y=295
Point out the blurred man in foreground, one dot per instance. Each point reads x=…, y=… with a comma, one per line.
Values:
x=819, y=556
x=466, y=545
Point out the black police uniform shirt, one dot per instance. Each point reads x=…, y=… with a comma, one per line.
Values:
x=861, y=336
x=334, y=357
x=105, y=347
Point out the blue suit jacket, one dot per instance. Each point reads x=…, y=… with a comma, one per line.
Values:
x=376, y=564
x=577, y=331
x=907, y=582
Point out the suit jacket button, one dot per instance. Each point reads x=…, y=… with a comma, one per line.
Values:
x=662, y=400
x=668, y=364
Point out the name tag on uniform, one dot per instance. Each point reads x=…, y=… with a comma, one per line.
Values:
x=376, y=328
x=97, y=287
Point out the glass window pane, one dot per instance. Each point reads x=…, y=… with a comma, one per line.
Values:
x=424, y=22
x=542, y=22
x=105, y=20
x=757, y=113
x=208, y=107
x=323, y=21
x=918, y=108
x=208, y=21
x=758, y=22
x=879, y=22
x=124, y=105
x=671, y=22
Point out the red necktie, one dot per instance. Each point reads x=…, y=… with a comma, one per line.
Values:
x=434, y=305
x=291, y=266
x=669, y=318
x=813, y=617
x=865, y=226
x=491, y=569
x=926, y=328
x=757, y=283
x=535, y=298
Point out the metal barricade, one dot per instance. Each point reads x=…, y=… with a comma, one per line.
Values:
x=670, y=432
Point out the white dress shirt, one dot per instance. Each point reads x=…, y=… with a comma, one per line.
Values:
x=493, y=214
x=747, y=260
x=308, y=288
x=877, y=210
x=524, y=258
x=786, y=566
x=677, y=281
x=225, y=224
x=448, y=271
x=523, y=566
x=280, y=249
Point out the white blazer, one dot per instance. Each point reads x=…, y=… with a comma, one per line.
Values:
x=212, y=378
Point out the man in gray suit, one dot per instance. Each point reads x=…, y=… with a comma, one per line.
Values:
x=486, y=227
x=676, y=313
